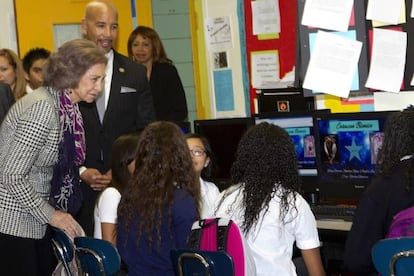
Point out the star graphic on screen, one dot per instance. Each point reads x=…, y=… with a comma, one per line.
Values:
x=354, y=150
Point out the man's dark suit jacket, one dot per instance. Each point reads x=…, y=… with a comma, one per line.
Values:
x=6, y=100
x=130, y=108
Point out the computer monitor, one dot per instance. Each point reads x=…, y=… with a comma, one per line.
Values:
x=299, y=125
x=223, y=136
x=283, y=100
x=346, y=148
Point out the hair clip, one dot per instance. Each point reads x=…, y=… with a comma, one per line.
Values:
x=410, y=107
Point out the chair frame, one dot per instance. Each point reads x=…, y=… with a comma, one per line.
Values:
x=64, y=249
x=187, y=255
x=57, y=248
x=398, y=256
x=98, y=253
x=394, y=256
x=81, y=250
x=207, y=263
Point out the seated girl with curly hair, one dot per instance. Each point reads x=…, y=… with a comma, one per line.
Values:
x=266, y=205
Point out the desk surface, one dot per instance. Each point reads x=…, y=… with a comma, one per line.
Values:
x=332, y=224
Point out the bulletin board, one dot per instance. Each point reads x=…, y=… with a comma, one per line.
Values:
x=407, y=26
x=282, y=43
x=356, y=30
x=363, y=29
x=223, y=58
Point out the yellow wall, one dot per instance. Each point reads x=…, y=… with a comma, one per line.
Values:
x=144, y=12
x=35, y=19
x=199, y=59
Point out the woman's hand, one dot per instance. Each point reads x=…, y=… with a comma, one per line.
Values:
x=67, y=223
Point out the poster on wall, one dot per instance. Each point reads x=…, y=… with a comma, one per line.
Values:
x=218, y=33
x=316, y=16
x=392, y=19
x=271, y=48
x=266, y=17
x=265, y=69
x=332, y=65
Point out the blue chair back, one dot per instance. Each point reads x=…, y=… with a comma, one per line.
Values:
x=188, y=262
x=96, y=256
x=394, y=256
x=63, y=247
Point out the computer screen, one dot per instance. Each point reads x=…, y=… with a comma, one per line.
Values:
x=300, y=128
x=347, y=145
x=283, y=100
x=223, y=136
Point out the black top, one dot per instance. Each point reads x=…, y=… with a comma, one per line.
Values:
x=6, y=100
x=168, y=93
x=383, y=199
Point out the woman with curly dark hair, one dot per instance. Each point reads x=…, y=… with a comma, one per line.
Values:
x=389, y=193
x=266, y=204
x=160, y=203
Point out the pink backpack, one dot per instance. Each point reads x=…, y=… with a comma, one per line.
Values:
x=222, y=234
x=402, y=224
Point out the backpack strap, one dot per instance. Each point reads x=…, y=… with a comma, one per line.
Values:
x=223, y=226
x=194, y=239
x=225, y=194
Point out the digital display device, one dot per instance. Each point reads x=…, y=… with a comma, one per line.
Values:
x=223, y=136
x=283, y=100
x=347, y=146
x=300, y=128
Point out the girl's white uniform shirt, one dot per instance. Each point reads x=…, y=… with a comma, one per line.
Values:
x=209, y=194
x=106, y=209
x=271, y=241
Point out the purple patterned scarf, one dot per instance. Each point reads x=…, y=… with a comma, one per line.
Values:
x=71, y=120
x=66, y=193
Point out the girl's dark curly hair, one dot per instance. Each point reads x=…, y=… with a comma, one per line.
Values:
x=398, y=142
x=162, y=163
x=266, y=164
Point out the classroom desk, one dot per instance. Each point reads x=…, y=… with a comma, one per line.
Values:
x=333, y=224
x=332, y=234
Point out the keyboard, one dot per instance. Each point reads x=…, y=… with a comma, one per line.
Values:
x=325, y=211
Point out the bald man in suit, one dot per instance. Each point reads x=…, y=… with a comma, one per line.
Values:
x=6, y=100
x=125, y=105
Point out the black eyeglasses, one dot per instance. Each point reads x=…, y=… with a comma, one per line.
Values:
x=197, y=152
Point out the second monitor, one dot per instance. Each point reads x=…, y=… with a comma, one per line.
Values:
x=299, y=126
x=223, y=136
x=347, y=147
